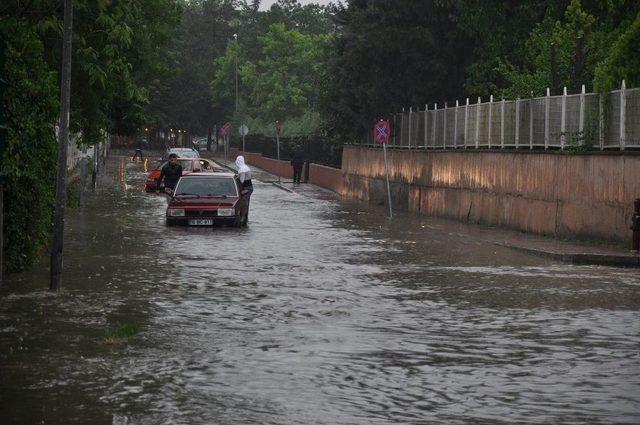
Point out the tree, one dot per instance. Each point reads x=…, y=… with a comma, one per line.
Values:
x=623, y=61
x=31, y=107
x=389, y=55
x=116, y=55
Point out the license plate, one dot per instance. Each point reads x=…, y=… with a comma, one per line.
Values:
x=201, y=222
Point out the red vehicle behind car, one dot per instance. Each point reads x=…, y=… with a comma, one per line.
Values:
x=189, y=165
x=207, y=199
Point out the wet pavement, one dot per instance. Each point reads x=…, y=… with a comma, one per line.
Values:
x=321, y=311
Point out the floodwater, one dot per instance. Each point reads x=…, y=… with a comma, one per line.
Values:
x=319, y=312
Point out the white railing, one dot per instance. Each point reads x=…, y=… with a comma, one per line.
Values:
x=611, y=121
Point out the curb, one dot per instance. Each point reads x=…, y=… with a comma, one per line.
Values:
x=276, y=184
x=222, y=165
x=612, y=260
x=279, y=186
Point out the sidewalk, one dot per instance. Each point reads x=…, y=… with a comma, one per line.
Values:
x=583, y=253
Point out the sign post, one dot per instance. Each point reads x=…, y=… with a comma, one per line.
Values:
x=243, y=130
x=381, y=133
x=224, y=132
x=278, y=128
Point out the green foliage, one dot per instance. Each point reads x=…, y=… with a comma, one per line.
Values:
x=310, y=122
x=289, y=74
x=566, y=50
x=116, y=54
x=284, y=83
x=623, y=61
x=499, y=30
x=392, y=54
x=183, y=98
x=120, y=333
x=31, y=108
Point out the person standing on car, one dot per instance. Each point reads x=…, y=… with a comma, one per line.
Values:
x=171, y=173
x=244, y=175
x=297, y=162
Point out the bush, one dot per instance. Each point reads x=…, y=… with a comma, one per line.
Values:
x=29, y=160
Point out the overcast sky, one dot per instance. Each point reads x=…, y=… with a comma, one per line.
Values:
x=266, y=4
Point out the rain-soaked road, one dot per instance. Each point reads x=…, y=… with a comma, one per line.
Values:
x=319, y=312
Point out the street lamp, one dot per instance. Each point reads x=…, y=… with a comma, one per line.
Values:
x=235, y=37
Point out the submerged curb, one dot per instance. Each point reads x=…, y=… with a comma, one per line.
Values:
x=612, y=260
x=276, y=184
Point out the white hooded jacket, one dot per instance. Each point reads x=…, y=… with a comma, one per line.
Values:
x=244, y=172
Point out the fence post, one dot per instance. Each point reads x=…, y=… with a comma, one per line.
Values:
x=531, y=121
x=502, y=124
x=409, y=132
x=478, y=124
x=623, y=118
x=435, y=122
x=583, y=92
x=426, y=125
x=402, y=128
x=444, y=126
x=455, y=125
x=563, y=119
x=394, y=128
x=517, y=129
x=466, y=123
x=601, y=121
x=490, y=117
x=547, y=105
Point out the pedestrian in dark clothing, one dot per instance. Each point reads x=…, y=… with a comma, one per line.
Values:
x=171, y=173
x=297, y=162
x=138, y=151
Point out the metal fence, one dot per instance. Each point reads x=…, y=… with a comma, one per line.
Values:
x=610, y=121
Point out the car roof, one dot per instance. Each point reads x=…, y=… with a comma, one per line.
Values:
x=216, y=175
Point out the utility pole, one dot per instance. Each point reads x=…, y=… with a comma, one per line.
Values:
x=3, y=141
x=235, y=36
x=63, y=140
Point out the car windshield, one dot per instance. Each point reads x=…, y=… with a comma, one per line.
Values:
x=207, y=186
x=185, y=153
x=185, y=163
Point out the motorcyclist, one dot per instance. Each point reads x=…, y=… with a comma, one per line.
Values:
x=171, y=173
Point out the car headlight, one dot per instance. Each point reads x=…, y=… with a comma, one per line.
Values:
x=226, y=212
x=176, y=212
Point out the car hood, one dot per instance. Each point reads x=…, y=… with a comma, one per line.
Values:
x=202, y=202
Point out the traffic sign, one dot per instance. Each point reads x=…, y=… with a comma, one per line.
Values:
x=243, y=130
x=278, y=126
x=382, y=132
x=224, y=130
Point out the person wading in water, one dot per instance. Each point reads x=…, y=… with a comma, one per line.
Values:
x=171, y=173
x=244, y=175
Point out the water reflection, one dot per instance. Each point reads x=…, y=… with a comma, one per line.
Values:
x=318, y=312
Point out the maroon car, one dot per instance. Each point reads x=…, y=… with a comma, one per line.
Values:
x=207, y=199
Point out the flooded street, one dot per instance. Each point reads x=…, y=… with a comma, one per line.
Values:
x=320, y=311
